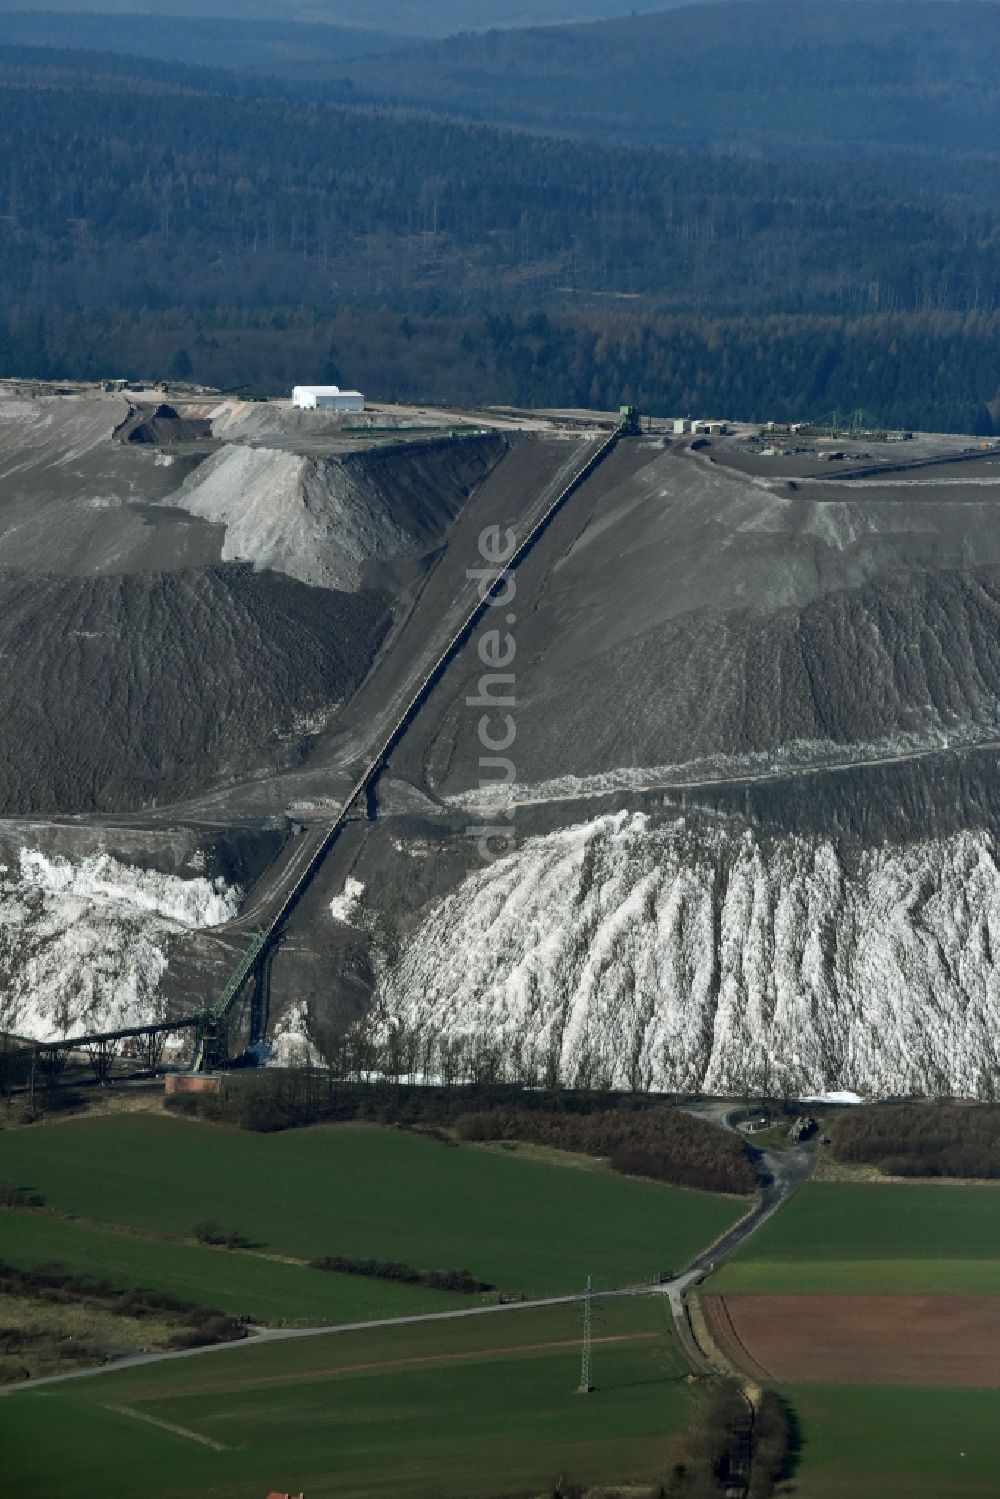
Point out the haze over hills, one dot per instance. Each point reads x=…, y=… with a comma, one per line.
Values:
x=260, y=45
x=659, y=72
x=769, y=76
x=401, y=17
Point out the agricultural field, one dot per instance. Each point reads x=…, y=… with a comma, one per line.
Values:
x=838, y=1237
x=475, y=1407
x=881, y=1442
x=897, y=1339
x=518, y=1223
x=875, y=1310
x=240, y=1283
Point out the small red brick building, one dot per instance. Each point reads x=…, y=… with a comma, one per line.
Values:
x=191, y=1082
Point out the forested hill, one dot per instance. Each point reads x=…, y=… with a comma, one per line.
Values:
x=260, y=46
x=836, y=79
x=148, y=211
x=771, y=77
x=429, y=18
x=328, y=202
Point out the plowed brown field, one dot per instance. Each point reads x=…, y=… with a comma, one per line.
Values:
x=913, y=1340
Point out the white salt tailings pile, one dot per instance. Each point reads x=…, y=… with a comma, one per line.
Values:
x=662, y=957
x=84, y=945
x=344, y=906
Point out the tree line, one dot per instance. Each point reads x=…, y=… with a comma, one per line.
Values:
x=659, y=1142
x=933, y=373
x=921, y=1139
x=462, y=1281
x=472, y=1088
x=703, y=1468
x=21, y=1346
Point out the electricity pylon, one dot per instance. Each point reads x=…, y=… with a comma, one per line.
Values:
x=585, y=1386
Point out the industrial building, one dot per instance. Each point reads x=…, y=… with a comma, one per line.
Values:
x=683, y=424
x=327, y=398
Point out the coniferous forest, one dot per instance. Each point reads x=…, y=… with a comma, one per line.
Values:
x=254, y=229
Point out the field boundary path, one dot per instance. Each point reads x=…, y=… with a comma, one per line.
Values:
x=178, y=1431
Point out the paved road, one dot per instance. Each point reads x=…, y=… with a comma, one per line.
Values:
x=784, y=1171
x=288, y=1334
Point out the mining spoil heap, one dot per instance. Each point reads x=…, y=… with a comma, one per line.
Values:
x=754, y=773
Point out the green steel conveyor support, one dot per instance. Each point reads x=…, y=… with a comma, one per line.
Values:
x=210, y=1048
x=238, y=977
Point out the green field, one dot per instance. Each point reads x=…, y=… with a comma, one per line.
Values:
x=241, y=1284
x=873, y=1442
x=869, y=1441
x=481, y=1406
x=517, y=1223
x=838, y=1236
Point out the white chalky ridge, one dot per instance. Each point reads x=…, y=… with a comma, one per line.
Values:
x=665, y=957
x=83, y=946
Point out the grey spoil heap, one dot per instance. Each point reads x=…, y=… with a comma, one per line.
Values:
x=755, y=713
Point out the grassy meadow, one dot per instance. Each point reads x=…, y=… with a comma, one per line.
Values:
x=519, y=1223
x=878, y=1442
x=843, y=1237
x=456, y=1410
x=244, y=1285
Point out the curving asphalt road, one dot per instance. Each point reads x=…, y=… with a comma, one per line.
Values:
x=782, y=1173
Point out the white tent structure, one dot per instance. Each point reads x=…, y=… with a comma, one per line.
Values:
x=327, y=398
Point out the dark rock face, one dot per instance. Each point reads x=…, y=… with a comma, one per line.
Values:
x=124, y=692
x=683, y=620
